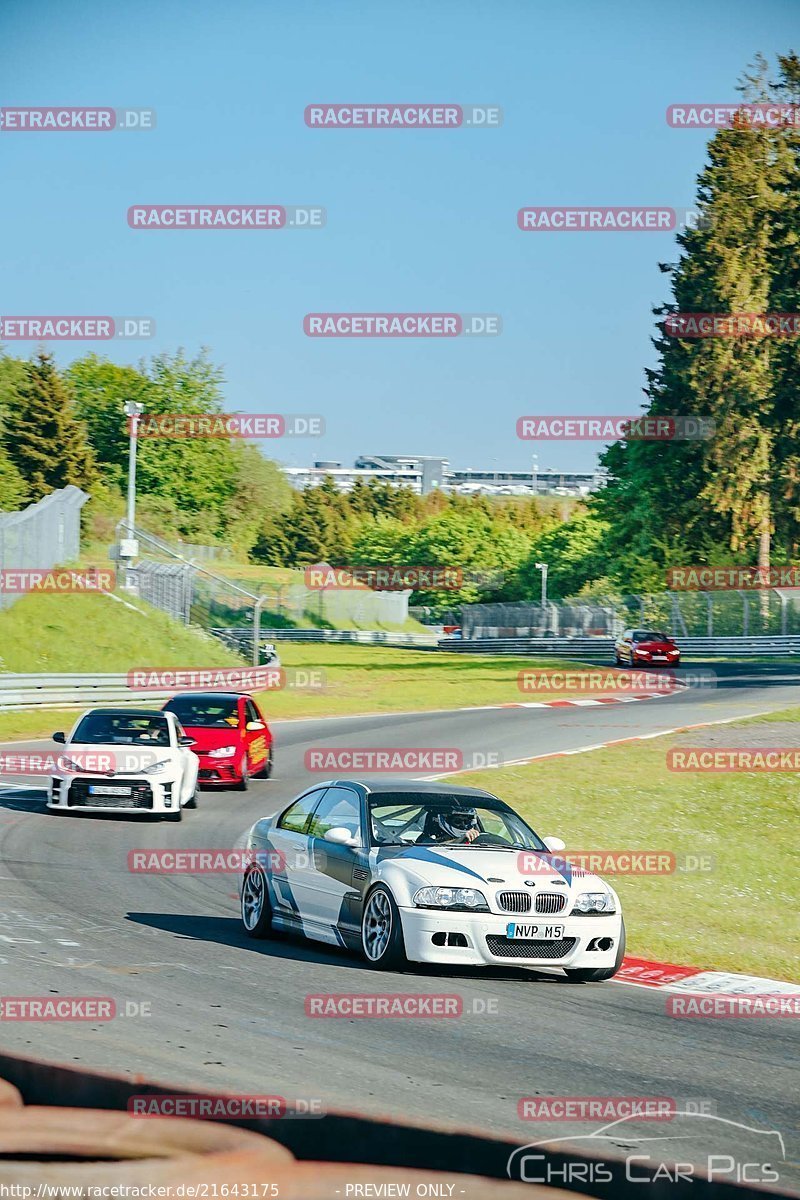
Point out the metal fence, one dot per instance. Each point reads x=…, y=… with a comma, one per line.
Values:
x=217, y=601
x=596, y=649
x=681, y=614
x=167, y=586
x=42, y=535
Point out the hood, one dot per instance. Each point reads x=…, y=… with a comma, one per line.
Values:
x=108, y=760
x=454, y=866
x=656, y=645
x=211, y=739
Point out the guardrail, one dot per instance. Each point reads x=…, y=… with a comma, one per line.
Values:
x=63, y=691
x=603, y=648
x=365, y=636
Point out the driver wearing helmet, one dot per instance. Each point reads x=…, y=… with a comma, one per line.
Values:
x=451, y=823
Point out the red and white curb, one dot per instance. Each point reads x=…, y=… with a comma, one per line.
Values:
x=644, y=972
x=586, y=703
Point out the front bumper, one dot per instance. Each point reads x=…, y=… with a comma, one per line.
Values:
x=487, y=943
x=148, y=794
x=219, y=770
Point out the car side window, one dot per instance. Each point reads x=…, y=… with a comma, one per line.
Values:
x=296, y=816
x=250, y=713
x=339, y=809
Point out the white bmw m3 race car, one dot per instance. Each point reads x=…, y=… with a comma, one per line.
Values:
x=125, y=760
x=427, y=873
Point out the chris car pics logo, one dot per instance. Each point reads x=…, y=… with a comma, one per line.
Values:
x=719, y=1150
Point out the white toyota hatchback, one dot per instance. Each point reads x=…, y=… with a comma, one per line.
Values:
x=125, y=760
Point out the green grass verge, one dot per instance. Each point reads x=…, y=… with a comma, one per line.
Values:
x=82, y=633
x=740, y=916
x=94, y=633
x=378, y=679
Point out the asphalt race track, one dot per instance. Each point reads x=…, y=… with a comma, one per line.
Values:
x=226, y=1012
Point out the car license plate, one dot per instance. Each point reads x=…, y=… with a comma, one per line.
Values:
x=536, y=933
x=659, y=658
x=101, y=790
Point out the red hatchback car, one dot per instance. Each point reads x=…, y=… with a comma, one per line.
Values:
x=231, y=736
x=646, y=647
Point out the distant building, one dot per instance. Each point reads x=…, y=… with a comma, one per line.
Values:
x=424, y=474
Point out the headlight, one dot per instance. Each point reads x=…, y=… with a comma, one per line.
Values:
x=156, y=767
x=589, y=903
x=222, y=752
x=464, y=899
x=66, y=764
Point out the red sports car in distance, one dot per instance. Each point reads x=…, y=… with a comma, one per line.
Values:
x=231, y=737
x=646, y=647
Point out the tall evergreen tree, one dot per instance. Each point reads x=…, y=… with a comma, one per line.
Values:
x=785, y=260
x=41, y=435
x=721, y=498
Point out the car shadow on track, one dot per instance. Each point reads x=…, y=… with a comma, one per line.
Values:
x=227, y=931
x=22, y=799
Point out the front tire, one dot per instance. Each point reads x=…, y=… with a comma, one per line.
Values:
x=381, y=932
x=599, y=974
x=244, y=782
x=255, y=906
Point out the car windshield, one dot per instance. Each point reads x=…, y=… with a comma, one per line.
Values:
x=211, y=713
x=123, y=730
x=419, y=819
x=650, y=635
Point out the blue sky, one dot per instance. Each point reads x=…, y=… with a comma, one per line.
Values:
x=416, y=220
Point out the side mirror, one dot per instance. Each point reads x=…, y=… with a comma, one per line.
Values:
x=185, y=740
x=554, y=844
x=341, y=837
x=254, y=726
x=59, y=737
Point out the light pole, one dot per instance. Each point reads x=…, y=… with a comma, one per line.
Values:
x=535, y=474
x=543, y=568
x=128, y=546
